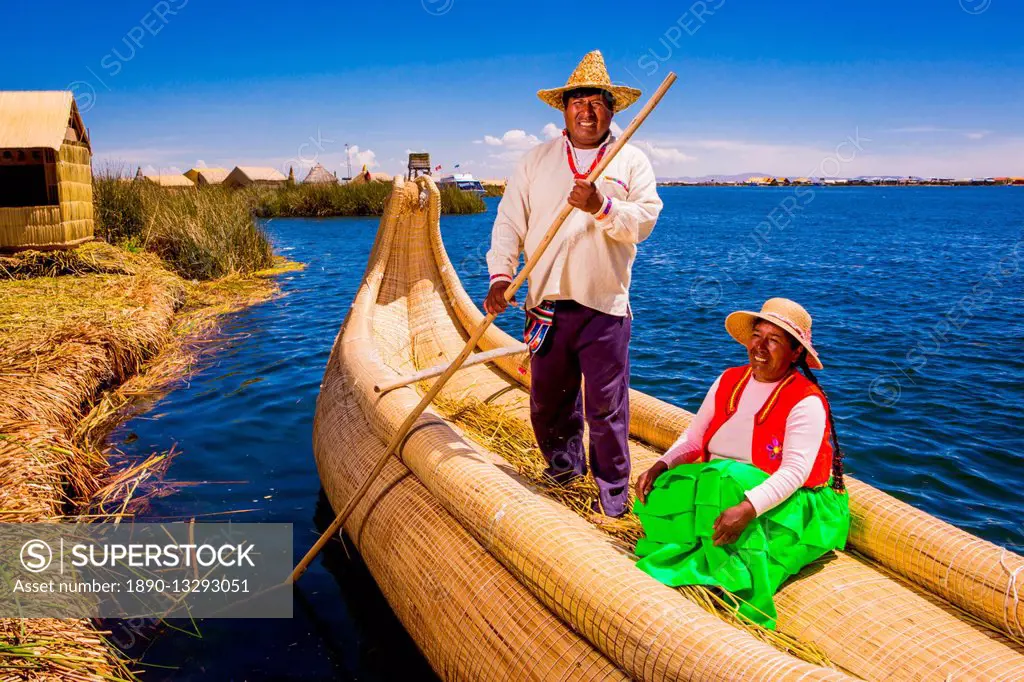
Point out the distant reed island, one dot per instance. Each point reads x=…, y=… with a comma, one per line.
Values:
x=268, y=193
x=744, y=180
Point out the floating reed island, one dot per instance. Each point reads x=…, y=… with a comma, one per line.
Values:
x=497, y=576
x=106, y=289
x=271, y=194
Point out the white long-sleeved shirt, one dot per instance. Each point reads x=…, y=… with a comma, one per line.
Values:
x=805, y=427
x=589, y=261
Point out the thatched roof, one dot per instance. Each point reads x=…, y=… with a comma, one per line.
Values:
x=40, y=119
x=319, y=175
x=258, y=173
x=169, y=180
x=210, y=176
x=367, y=176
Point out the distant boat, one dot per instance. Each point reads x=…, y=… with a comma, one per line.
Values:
x=464, y=181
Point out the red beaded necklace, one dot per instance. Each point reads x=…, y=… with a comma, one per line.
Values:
x=572, y=157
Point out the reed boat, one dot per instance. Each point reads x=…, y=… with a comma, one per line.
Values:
x=496, y=578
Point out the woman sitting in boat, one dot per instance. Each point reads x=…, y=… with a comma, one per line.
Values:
x=753, y=490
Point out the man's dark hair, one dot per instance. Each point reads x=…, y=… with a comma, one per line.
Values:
x=587, y=92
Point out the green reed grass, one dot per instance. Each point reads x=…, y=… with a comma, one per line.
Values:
x=494, y=190
x=322, y=201
x=202, y=233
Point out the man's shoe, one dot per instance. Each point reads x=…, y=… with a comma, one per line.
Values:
x=598, y=509
x=562, y=478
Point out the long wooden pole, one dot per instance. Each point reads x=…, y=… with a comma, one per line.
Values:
x=475, y=359
x=474, y=338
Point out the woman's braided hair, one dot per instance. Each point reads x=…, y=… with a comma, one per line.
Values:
x=838, y=484
x=837, y=454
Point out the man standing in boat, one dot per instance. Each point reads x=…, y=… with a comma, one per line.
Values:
x=578, y=316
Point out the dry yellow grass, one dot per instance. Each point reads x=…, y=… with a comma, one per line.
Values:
x=493, y=427
x=86, y=336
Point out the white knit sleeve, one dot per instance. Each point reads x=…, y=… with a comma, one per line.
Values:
x=688, y=446
x=632, y=220
x=509, y=231
x=805, y=427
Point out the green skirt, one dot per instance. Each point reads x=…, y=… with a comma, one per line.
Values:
x=681, y=511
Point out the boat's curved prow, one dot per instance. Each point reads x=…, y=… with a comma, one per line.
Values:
x=495, y=580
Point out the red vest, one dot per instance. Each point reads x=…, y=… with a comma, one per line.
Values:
x=770, y=421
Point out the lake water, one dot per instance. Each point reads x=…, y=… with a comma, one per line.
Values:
x=916, y=295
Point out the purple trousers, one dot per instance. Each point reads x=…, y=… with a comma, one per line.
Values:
x=587, y=343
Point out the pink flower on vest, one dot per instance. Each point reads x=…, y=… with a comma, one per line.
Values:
x=774, y=448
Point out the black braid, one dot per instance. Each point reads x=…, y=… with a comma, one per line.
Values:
x=837, y=454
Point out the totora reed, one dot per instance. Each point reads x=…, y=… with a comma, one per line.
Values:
x=85, y=336
x=497, y=576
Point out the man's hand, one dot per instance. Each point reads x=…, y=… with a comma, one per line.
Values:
x=730, y=524
x=495, y=301
x=586, y=197
x=646, y=481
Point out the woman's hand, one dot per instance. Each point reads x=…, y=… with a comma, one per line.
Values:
x=730, y=523
x=647, y=478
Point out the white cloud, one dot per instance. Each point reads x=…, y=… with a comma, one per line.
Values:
x=150, y=169
x=665, y=156
x=923, y=130
x=917, y=130
x=956, y=157
x=362, y=157
x=513, y=139
x=616, y=129
x=551, y=131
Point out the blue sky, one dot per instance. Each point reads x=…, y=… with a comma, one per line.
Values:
x=922, y=88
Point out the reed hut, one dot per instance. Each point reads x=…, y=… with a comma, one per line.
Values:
x=170, y=180
x=318, y=175
x=206, y=176
x=45, y=172
x=247, y=176
x=364, y=176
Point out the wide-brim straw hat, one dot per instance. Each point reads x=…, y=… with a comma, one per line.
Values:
x=591, y=73
x=782, y=312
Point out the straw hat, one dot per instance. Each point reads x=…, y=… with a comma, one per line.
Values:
x=591, y=73
x=783, y=312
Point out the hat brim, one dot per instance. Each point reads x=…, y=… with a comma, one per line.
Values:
x=740, y=326
x=624, y=96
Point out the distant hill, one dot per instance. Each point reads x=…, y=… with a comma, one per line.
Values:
x=738, y=177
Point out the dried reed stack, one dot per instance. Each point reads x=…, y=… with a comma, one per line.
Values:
x=74, y=325
x=63, y=338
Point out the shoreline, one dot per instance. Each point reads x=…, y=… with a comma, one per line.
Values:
x=88, y=338
x=843, y=183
